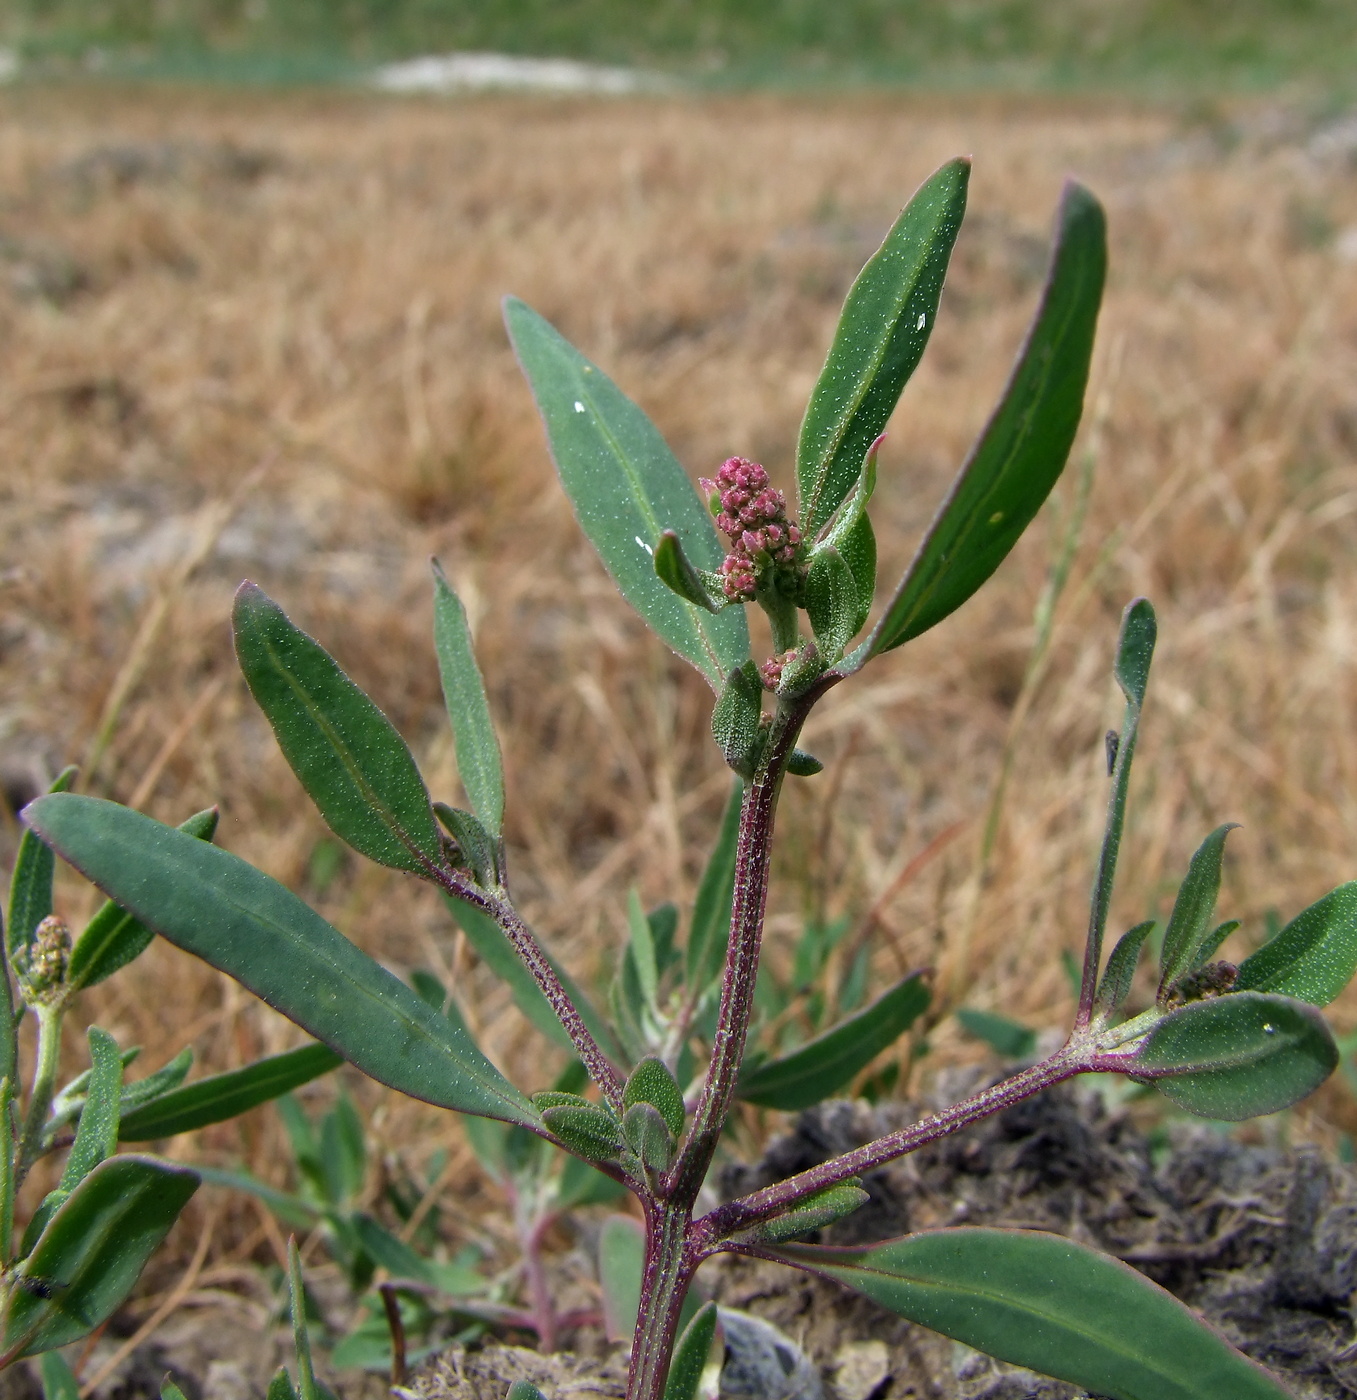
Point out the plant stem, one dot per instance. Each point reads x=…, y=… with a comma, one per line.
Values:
x=669, y=1265
x=749, y=1210
x=44, y=1083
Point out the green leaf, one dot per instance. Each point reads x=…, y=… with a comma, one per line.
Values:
x=1135, y=650
x=1210, y=945
x=344, y=750
x=814, y=1213
x=641, y=947
x=1120, y=971
x=691, y=1355
x=301, y=1336
x=30, y=884
x=626, y=488
x=478, y=850
x=647, y=1135
x=168, y=1077
x=1054, y=1306
x=473, y=731
x=58, y=1380
x=294, y=1211
x=1008, y=1038
x=585, y=1129
x=651, y=1082
x=882, y=331
x=832, y=603
x=281, y=1387
x=1189, y=923
x=113, y=938
x=676, y=572
x=403, y=1262
x=735, y=719
x=170, y=1391
x=584, y=1185
x=1238, y=1056
x=97, y=1135
x=710, y=929
x=221, y=909
x=524, y=1390
x=93, y=1249
x=1314, y=956
x=343, y=1152
x=223, y=1096
x=1022, y=449
x=804, y=765
x=828, y=1062
x=621, y=1257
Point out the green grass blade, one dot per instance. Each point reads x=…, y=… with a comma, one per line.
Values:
x=626, y=487
x=223, y=1096
x=1022, y=450
x=828, y=1062
x=473, y=731
x=343, y=749
x=93, y=1249
x=223, y=910
x=1052, y=1305
x=882, y=331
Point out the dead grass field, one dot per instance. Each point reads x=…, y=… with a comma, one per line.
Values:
x=248, y=337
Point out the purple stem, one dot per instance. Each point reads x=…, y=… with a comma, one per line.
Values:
x=726, y=1220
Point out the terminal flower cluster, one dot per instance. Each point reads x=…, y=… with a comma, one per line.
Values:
x=753, y=515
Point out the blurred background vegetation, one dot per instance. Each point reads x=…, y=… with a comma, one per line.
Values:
x=1138, y=47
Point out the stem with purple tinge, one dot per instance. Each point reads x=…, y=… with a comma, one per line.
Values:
x=539, y=1291
x=670, y=1263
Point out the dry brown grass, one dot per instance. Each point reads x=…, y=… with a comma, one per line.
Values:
x=310, y=286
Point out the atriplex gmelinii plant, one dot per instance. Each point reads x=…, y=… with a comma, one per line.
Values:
x=1223, y=1041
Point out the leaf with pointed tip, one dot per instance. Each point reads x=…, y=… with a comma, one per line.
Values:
x=281, y=1387
x=473, y=731
x=1314, y=956
x=626, y=487
x=301, y=1336
x=882, y=331
x=1121, y=968
x=478, y=850
x=827, y=1063
x=342, y=748
x=113, y=938
x=97, y=1135
x=94, y=1248
x=1210, y=945
x=1010, y=1039
x=1192, y=910
x=690, y=1355
x=30, y=884
x=1238, y=1056
x=825, y=1207
x=223, y=1096
x=1051, y=1305
x=709, y=931
x=1023, y=448
x=223, y=910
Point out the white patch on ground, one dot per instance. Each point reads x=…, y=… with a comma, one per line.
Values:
x=498, y=72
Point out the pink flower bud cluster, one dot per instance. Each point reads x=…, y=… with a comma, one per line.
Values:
x=753, y=515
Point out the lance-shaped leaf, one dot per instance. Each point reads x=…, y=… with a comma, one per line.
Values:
x=709, y=931
x=1189, y=924
x=1022, y=450
x=828, y=1062
x=1239, y=1056
x=825, y=1207
x=93, y=1249
x=1120, y=971
x=473, y=731
x=883, y=329
x=1313, y=957
x=344, y=750
x=223, y=910
x=223, y=1096
x=30, y=885
x=113, y=938
x=626, y=487
x=690, y=1355
x=1052, y=1305
x=97, y=1136
x=1005, y=1037
x=832, y=603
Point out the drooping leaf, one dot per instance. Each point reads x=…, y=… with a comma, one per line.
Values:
x=710, y=929
x=1051, y=1305
x=223, y=1096
x=882, y=331
x=97, y=1135
x=1189, y=924
x=626, y=487
x=1239, y=1056
x=827, y=1063
x=1005, y=1037
x=676, y=572
x=1314, y=956
x=1022, y=450
x=621, y=1256
x=344, y=750
x=30, y=884
x=93, y=1249
x=223, y=910
x=473, y=731
x=113, y=938
x=691, y=1354
x=1120, y=971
